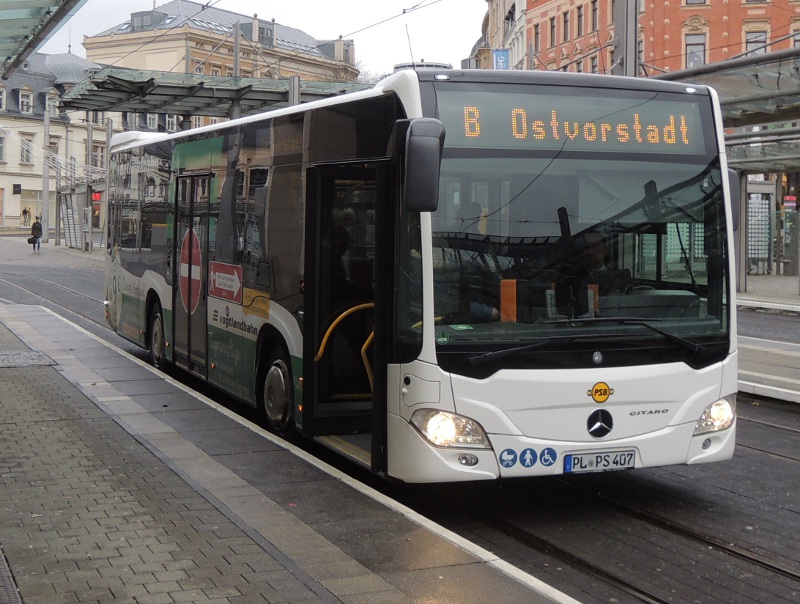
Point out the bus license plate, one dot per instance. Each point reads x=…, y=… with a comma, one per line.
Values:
x=600, y=461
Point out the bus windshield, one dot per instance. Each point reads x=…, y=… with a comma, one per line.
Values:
x=572, y=215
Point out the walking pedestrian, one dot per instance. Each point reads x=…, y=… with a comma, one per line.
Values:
x=36, y=235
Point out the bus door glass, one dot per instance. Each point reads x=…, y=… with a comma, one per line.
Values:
x=340, y=291
x=191, y=262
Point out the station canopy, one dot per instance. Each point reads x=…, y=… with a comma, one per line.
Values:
x=119, y=89
x=26, y=24
x=760, y=97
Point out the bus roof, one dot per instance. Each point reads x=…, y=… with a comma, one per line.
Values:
x=405, y=84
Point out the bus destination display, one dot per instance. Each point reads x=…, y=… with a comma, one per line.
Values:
x=571, y=123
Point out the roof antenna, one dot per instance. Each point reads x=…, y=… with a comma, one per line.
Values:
x=410, y=51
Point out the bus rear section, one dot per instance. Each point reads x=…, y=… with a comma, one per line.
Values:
x=578, y=307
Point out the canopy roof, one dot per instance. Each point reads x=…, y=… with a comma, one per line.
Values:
x=27, y=24
x=760, y=97
x=117, y=89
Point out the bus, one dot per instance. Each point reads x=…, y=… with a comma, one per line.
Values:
x=452, y=276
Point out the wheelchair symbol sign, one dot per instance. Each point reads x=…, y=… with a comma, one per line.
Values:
x=548, y=457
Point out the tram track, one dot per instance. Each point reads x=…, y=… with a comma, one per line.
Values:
x=702, y=538
x=23, y=282
x=626, y=570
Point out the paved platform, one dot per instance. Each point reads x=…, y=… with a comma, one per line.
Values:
x=119, y=484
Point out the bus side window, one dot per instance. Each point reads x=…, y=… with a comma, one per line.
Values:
x=257, y=267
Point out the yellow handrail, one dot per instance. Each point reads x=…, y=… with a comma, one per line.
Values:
x=365, y=360
x=338, y=320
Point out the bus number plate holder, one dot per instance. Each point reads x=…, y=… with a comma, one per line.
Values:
x=599, y=461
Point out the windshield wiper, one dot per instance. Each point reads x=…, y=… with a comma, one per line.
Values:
x=692, y=347
x=477, y=359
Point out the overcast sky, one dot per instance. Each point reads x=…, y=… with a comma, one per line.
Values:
x=430, y=30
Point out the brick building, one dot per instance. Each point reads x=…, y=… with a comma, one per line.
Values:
x=577, y=35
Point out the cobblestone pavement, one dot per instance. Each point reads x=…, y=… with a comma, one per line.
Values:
x=90, y=515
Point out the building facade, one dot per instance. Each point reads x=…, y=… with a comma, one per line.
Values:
x=38, y=137
x=190, y=37
x=578, y=35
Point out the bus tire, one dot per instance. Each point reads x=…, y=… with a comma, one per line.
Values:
x=155, y=337
x=276, y=392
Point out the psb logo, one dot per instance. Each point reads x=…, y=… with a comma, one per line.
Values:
x=600, y=392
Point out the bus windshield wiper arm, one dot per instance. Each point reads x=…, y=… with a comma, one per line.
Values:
x=477, y=359
x=675, y=339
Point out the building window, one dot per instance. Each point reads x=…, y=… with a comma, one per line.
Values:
x=25, y=102
x=26, y=150
x=96, y=117
x=52, y=105
x=172, y=123
x=796, y=39
x=2, y=148
x=98, y=156
x=152, y=121
x=755, y=42
x=508, y=22
x=579, y=66
x=579, y=24
x=552, y=32
x=593, y=64
x=695, y=2
x=2, y=99
x=265, y=35
x=537, y=38
x=695, y=50
x=595, y=12
x=566, y=26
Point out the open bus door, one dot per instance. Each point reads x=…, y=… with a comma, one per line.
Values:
x=347, y=313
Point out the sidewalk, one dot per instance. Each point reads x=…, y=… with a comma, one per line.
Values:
x=773, y=292
x=120, y=484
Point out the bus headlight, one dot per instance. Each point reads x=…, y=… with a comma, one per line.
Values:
x=445, y=429
x=717, y=416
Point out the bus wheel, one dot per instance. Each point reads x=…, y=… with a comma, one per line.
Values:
x=276, y=403
x=155, y=337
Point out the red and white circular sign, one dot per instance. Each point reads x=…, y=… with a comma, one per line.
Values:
x=190, y=272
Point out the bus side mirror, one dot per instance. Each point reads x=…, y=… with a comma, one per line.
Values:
x=423, y=156
x=735, y=187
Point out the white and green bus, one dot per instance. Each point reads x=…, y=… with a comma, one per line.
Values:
x=452, y=276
